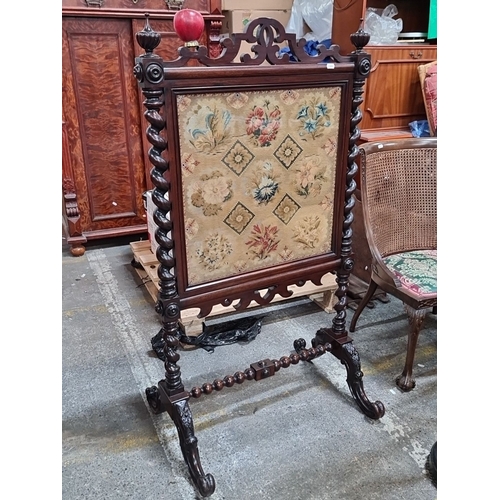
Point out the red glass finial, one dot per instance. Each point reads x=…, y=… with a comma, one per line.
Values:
x=189, y=25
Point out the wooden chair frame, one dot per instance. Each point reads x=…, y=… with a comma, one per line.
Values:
x=170, y=88
x=411, y=165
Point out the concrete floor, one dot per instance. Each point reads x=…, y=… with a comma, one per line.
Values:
x=298, y=435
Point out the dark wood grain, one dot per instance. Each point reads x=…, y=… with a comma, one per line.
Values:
x=104, y=129
x=106, y=167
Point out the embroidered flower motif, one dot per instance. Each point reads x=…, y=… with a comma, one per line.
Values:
x=214, y=251
x=286, y=209
x=266, y=184
x=240, y=266
x=314, y=118
x=263, y=241
x=321, y=109
x=209, y=194
x=237, y=100
x=215, y=191
x=309, y=177
x=238, y=158
x=215, y=134
x=334, y=92
x=266, y=190
x=183, y=102
x=307, y=232
x=263, y=125
x=327, y=203
x=286, y=254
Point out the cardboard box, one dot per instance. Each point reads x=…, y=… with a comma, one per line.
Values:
x=236, y=20
x=257, y=4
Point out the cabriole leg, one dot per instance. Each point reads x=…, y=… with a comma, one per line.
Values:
x=406, y=381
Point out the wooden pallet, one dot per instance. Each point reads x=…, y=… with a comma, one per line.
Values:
x=323, y=295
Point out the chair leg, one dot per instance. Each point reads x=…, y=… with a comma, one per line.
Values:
x=406, y=381
x=366, y=298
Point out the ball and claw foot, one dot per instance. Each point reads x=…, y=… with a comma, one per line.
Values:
x=405, y=382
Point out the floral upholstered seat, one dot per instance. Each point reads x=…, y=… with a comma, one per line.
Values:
x=417, y=271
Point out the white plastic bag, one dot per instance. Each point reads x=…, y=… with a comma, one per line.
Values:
x=383, y=29
x=311, y=19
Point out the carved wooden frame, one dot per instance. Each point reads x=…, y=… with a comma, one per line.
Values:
x=267, y=68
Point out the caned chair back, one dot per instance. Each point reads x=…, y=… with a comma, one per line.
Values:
x=399, y=195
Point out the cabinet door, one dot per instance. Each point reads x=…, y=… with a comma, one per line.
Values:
x=393, y=96
x=101, y=110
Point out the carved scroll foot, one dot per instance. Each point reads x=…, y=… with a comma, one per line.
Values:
x=343, y=350
x=349, y=357
x=181, y=415
x=177, y=407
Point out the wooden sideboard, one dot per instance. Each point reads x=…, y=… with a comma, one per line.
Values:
x=393, y=96
x=104, y=145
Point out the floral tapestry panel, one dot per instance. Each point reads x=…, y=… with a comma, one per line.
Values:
x=258, y=174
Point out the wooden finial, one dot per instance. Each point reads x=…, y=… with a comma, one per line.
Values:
x=148, y=38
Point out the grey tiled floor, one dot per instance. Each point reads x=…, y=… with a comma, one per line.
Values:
x=298, y=435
